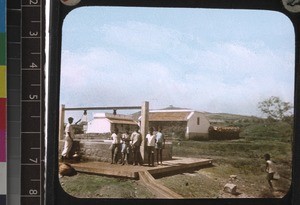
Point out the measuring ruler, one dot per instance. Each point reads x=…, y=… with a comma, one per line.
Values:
x=32, y=102
x=25, y=62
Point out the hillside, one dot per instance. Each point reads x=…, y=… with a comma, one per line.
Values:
x=229, y=117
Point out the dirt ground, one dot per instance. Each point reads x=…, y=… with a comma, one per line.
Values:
x=207, y=183
x=203, y=183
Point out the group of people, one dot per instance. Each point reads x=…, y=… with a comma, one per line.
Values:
x=125, y=145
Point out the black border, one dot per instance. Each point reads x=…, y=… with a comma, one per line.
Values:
x=55, y=195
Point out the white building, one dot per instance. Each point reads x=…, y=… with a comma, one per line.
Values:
x=180, y=122
x=106, y=123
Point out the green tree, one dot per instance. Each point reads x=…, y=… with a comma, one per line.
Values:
x=276, y=109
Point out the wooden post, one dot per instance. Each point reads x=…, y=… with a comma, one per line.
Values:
x=144, y=127
x=61, y=122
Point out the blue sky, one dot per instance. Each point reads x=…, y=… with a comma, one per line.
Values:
x=204, y=59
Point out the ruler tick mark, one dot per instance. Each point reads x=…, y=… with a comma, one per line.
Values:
x=31, y=101
x=28, y=6
x=27, y=164
x=30, y=68
x=13, y=9
x=31, y=132
x=30, y=37
x=30, y=196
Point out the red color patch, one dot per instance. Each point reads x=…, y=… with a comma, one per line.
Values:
x=3, y=111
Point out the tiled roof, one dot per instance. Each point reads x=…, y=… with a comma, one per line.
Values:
x=122, y=121
x=169, y=116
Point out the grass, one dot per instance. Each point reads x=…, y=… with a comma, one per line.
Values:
x=93, y=186
x=242, y=157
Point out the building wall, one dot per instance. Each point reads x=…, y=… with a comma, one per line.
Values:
x=122, y=127
x=171, y=129
x=197, y=126
x=95, y=150
x=98, y=126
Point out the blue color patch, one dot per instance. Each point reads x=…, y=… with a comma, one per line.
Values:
x=2, y=16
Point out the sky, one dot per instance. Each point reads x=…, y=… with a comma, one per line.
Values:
x=209, y=60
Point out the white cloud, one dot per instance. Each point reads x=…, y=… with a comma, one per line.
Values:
x=138, y=61
x=138, y=36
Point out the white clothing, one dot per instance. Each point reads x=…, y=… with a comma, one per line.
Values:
x=68, y=140
x=67, y=146
x=69, y=128
x=136, y=139
x=126, y=138
x=150, y=139
x=116, y=138
x=271, y=167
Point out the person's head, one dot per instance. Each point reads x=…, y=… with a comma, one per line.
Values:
x=267, y=157
x=70, y=120
x=159, y=128
x=137, y=128
x=127, y=129
x=116, y=130
x=151, y=130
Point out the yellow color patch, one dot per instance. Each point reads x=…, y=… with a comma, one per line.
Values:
x=2, y=81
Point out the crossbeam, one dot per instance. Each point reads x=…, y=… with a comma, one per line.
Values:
x=104, y=108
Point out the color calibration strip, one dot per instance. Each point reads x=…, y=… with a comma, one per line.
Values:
x=3, y=100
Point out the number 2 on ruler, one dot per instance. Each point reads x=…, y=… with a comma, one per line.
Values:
x=33, y=2
x=34, y=160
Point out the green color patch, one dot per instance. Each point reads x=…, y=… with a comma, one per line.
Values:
x=2, y=48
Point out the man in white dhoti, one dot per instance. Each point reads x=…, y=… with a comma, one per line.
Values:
x=69, y=133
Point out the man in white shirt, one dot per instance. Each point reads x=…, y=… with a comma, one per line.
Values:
x=116, y=146
x=150, y=139
x=136, y=141
x=69, y=134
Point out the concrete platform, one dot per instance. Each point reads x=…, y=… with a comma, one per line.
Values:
x=177, y=164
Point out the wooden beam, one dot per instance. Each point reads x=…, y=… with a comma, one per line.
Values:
x=104, y=108
x=144, y=128
x=61, y=122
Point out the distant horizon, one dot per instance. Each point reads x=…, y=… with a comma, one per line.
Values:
x=78, y=114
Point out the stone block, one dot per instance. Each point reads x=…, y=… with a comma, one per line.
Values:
x=230, y=188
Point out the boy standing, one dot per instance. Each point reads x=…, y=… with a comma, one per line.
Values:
x=270, y=169
x=150, y=137
x=125, y=146
x=160, y=143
